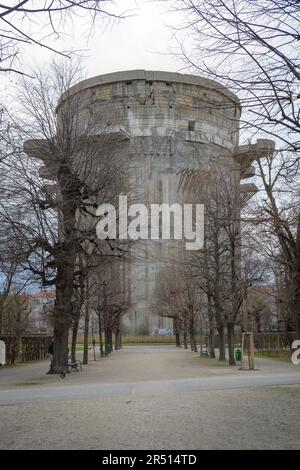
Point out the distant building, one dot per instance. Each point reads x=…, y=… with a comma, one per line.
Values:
x=164, y=122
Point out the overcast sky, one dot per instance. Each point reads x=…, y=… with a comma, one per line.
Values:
x=143, y=40
x=139, y=42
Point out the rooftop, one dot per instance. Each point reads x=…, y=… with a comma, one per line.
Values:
x=150, y=75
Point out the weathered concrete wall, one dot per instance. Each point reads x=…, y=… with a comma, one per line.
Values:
x=172, y=122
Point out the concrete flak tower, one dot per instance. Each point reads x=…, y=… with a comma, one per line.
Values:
x=165, y=122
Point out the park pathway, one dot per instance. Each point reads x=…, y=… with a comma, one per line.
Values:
x=156, y=397
x=137, y=365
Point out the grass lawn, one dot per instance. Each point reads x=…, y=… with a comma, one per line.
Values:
x=134, y=340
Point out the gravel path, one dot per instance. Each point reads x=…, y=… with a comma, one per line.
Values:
x=151, y=398
x=227, y=419
x=137, y=364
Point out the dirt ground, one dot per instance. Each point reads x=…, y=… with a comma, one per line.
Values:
x=151, y=397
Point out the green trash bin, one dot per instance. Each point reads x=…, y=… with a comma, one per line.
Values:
x=238, y=354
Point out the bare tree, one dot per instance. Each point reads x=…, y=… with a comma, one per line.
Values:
x=180, y=299
x=111, y=298
x=260, y=307
x=16, y=315
x=277, y=214
x=253, y=48
x=167, y=292
x=224, y=269
x=14, y=280
x=19, y=25
x=57, y=221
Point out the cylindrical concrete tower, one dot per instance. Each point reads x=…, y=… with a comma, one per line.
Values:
x=166, y=122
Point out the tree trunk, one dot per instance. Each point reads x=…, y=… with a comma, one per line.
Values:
x=192, y=339
x=100, y=335
x=191, y=320
x=74, y=340
x=60, y=353
x=86, y=335
x=108, y=341
x=117, y=339
x=230, y=330
x=185, y=340
x=298, y=318
x=211, y=324
x=222, y=355
x=212, y=354
x=65, y=264
x=176, y=332
x=62, y=317
x=76, y=309
x=297, y=281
